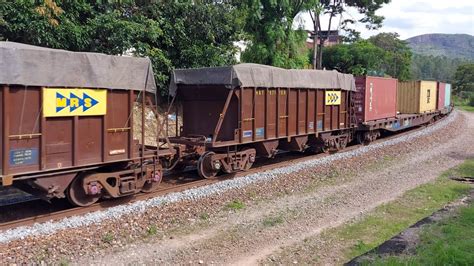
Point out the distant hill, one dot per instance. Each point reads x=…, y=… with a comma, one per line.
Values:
x=449, y=45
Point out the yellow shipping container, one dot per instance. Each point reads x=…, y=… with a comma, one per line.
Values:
x=415, y=97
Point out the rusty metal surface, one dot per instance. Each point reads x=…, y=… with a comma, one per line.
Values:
x=44, y=155
x=35, y=143
x=259, y=114
x=401, y=122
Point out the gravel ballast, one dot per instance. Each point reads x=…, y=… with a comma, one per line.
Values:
x=197, y=193
x=164, y=220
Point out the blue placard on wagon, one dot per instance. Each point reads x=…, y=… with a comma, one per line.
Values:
x=259, y=132
x=247, y=133
x=19, y=157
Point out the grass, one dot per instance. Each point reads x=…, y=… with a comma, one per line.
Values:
x=108, y=238
x=390, y=219
x=152, y=230
x=448, y=242
x=463, y=104
x=273, y=220
x=204, y=216
x=235, y=205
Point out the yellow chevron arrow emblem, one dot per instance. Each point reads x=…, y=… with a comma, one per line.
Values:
x=333, y=97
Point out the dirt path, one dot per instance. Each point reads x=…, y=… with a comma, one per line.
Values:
x=251, y=235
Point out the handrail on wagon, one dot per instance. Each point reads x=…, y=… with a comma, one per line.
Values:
x=24, y=136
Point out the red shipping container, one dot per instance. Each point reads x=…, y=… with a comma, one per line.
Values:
x=376, y=98
x=441, y=95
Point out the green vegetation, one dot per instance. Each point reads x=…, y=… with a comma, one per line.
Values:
x=441, y=57
x=463, y=87
x=204, y=216
x=428, y=67
x=448, y=242
x=273, y=220
x=269, y=28
x=174, y=34
x=383, y=54
x=463, y=104
x=152, y=230
x=392, y=218
x=449, y=45
x=332, y=10
x=464, y=79
x=235, y=205
x=108, y=237
x=64, y=262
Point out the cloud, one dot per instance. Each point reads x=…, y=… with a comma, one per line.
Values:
x=415, y=17
x=401, y=23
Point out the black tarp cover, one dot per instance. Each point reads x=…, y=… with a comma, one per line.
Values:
x=254, y=75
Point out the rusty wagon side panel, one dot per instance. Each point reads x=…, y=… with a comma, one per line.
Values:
x=33, y=142
x=261, y=114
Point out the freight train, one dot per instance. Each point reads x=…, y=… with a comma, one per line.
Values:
x=67, y=123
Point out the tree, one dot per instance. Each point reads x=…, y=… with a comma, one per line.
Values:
x=359, y=58
x=174, y=34
x=269, y=28
x=337, y=8
x=380, y=55
x=429, y=67
x=397, y=58
x=464, y=79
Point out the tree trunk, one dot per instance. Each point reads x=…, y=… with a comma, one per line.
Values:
x=320, y=54
x=315, y=40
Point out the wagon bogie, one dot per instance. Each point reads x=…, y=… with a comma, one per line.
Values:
x=211, y=163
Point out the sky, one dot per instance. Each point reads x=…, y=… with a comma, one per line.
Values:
x=414, y=17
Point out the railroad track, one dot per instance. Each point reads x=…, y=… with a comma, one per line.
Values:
x=170, y=187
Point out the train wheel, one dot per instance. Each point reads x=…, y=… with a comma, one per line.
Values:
x=150, y=187
x=250, y=161
x=77, y=196
x=153, y=184
x=363, y=138
x=204, y=166
x=342, y=143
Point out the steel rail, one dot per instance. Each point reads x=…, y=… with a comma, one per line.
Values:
x=58, y=215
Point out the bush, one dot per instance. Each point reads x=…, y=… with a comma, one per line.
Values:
x=471, y=101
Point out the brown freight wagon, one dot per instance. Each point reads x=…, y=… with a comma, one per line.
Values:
x=233, y=114
x=66, y=122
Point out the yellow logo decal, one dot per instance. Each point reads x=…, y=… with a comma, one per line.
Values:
x=74, y=102
x=333, y=97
